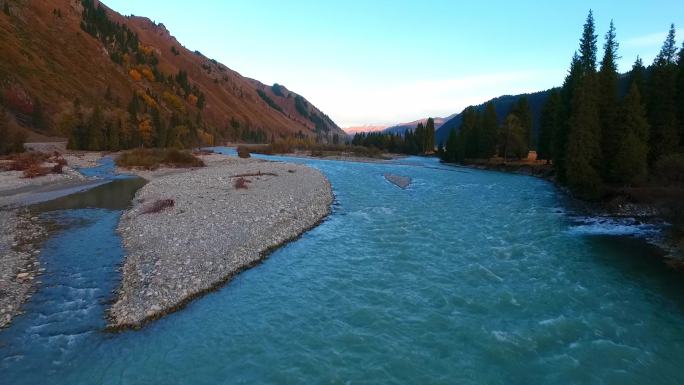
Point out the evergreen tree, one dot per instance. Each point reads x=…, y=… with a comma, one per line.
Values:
x=551, y=125
x=680, y=94
x=588, y=47
x=513, y=143
x=6, y=8
x=637, y=76
x=662, y=109
x=450, y=153
x=608, y=102
x=583, y=150
x=489, y=132
x=560, y=139
x=524, y=113
x=470, y=133
x=631, y=160
x=429, y=143
x=96, y=130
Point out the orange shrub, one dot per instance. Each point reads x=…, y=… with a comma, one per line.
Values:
x=148, y=74
x=192, y=99
x=173, y=101
x=135, y=75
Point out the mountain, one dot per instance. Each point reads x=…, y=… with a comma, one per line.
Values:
x=366, y=128
x=402, y=127
x=503, y=106
x=65, y=57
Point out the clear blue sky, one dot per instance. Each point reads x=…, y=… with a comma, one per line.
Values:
x=382, y=62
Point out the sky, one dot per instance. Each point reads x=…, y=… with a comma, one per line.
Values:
x=383, y=62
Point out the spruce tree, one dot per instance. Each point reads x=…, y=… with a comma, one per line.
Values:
x=6, y=8
x=560, y=140
x=631, y=161
x=662, y=109
x=608, y=102
x=680, y=94
x=469, y=132
x=583, y=150
x=489, y=133
x=96, y=130
x=429, y=143
x=637, y=76
x=550, y=126
x=524, y=113
x=451, y=147
x=588, y=47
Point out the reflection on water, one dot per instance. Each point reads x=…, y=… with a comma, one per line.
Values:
x=114, y=195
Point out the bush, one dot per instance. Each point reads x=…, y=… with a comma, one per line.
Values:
x=152, y=159
x=243, y=152
x=670, y=169
x=241, y=183
x=158, y=206
x=36, y=170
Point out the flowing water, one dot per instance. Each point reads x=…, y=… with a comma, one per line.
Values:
x=466, y=277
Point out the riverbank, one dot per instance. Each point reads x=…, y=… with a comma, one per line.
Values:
x=647, y=204
x=190, y=232
x=20, y=236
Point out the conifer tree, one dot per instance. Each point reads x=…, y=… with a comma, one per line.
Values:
x=96, y=130
x=524, y=113
x=662, y=109
x=608, y=102
x=638, y=76
x=588, y=47
x=680, y=94
x=560, y=140
x=631, y=161
x=489, y=133
x=470, y=133
x=550, y=126
x=583, y=150
x=429, y=146
x=6, y=8
x=451, y=147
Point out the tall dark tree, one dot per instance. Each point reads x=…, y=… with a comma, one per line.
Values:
x=637, y=76
x=588, y=45
x=583, y=151
x=550, y=126
x=572, y=81
x=489, y=132
x=662, y=109
x=96, y=130
x=450, y=152
x=512, y=142
x=608, y=79
x=631, y=159
x=470, y=133
x=524, y=113
x=429, y=142
x=680, y=94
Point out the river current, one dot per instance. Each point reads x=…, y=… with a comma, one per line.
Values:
x=466, y=277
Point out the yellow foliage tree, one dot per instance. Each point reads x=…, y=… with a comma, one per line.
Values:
x=135, y=75
x=192, y=99
x=145, y=131
x=148, y=74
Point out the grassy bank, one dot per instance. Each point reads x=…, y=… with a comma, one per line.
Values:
x=306, y=147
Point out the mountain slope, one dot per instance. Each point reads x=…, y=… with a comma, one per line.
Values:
x=403, y=127
x=65, y=57
x=503, y=106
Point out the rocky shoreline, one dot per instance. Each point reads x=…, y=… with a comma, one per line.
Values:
x=189, y=233
x=20, y=235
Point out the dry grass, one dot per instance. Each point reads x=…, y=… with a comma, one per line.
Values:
x=158, y=206
x=152, y=159
x=241, y=183
x=33, y=164
x=289, y=146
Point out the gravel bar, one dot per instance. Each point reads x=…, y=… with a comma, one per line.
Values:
x=211, y=231
x=19, y=266
x=400, y=181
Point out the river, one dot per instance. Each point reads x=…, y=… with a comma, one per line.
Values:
x=466, y=277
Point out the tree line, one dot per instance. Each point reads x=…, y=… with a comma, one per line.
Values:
x=600, y=128
x=420, y=141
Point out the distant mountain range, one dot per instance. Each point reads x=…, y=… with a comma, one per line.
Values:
x=53, y=55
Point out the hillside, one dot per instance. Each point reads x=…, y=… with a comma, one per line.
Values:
x=503, y=105
x=70, y=63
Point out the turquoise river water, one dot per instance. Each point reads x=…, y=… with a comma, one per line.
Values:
x=466, y=277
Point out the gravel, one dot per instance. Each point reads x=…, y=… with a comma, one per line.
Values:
x=212, y=232
x=19, y=235
x=399, y=181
